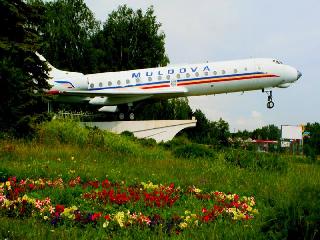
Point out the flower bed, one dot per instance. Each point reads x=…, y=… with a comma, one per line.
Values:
x=115, y=205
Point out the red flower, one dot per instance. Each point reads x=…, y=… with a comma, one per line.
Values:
x=206, y=218
x=107, y=217
x=236, y=197
x=59, y=209
x=204, y=210
x=106, y=183
x=95, y=216
x=31, y=186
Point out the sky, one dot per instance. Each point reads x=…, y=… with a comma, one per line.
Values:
x=214, y=30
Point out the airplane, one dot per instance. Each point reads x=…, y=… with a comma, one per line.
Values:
x=117, y=91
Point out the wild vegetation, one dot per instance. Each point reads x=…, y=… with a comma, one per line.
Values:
x=73, y=165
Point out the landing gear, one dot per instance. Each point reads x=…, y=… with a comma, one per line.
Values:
x=270, y=103
x=126, y=112
x=121, y=116
x=131, y=116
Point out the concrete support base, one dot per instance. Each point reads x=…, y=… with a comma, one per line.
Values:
x=160, y=130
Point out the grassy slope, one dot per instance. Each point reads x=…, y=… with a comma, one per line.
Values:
x=67, y=150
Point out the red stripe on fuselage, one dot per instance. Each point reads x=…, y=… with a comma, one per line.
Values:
x=158, y=86
x=225, y=79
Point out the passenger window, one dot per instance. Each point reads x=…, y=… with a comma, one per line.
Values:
x=206, y=73
x=168, y=77
x=119, y=82
x=159, y=78
x=100, y=84
x=91, y=85
x=235, y=71
x=188, y=75
x=150, y=79
x=246, y=69
x=215, y=73
x=109, y=83
x=178, y=75
x=128, y=81
x=223, y=72
x=197, y=74
x=138, y=80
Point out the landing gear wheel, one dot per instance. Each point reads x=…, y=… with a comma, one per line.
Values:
x=270, y=104
x=121, y=116
x=131, y=116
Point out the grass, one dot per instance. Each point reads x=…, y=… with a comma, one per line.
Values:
x=65, y=149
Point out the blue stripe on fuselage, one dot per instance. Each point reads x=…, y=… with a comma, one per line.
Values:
x=179, y=80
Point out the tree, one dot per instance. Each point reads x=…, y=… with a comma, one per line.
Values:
x=270, y=132
x=207, y=132
x=174, y=109
x=22, y=74
x=129, y=40
x=67, y=29
x=312, y=142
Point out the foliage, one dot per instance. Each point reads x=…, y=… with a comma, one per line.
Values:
x=125, y=162
x=173, y=109
x=256, y=160
x=116, y=206
x=22, y=74
x=312, y=142
x=208, y=132
x=129, y=40
x=194, y=151
x=300, y=219
x=270, y=132
x=67, y=29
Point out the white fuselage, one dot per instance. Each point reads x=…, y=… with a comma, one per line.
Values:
x=195, y=79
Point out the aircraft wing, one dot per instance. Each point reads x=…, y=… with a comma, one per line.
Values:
x=126, y=93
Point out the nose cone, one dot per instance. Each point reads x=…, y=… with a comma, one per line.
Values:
x=299, y=74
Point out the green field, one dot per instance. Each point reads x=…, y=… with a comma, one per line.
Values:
x=286, y=189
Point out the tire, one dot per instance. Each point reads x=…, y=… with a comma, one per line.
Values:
x=131, y=116
x=121, y=116
x=270, y=104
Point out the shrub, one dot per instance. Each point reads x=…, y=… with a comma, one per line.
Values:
x=300, y=219
x=147, y=142
x=194, y=151
x=177, y=142
x=96, y=137
x=256, y=160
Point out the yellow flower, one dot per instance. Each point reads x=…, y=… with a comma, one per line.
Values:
x=105, y=224
x=119, y=217
x=183, y=225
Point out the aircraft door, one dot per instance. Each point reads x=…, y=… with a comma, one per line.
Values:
x=173, y=82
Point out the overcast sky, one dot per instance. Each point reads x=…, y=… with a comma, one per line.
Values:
x=212, y=30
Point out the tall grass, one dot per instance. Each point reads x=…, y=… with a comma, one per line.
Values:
x=286, y=190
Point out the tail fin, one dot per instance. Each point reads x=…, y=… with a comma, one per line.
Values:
x=45, y=60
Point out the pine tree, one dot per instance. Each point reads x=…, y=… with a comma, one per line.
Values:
x=22, y=74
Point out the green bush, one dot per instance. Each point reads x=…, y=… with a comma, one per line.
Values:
x=256, y=160
x=96, y=137
x=62, y=131
x=176, y=142
x=300, y=219
x=194, y=151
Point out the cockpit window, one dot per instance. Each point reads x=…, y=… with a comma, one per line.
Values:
x=277, y=62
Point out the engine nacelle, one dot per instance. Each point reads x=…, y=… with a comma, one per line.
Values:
x=111, y=109
x=98, y=101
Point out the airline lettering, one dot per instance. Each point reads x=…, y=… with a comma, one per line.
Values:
x=169, y=71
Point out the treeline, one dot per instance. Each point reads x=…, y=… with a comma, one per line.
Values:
x=75, y=41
